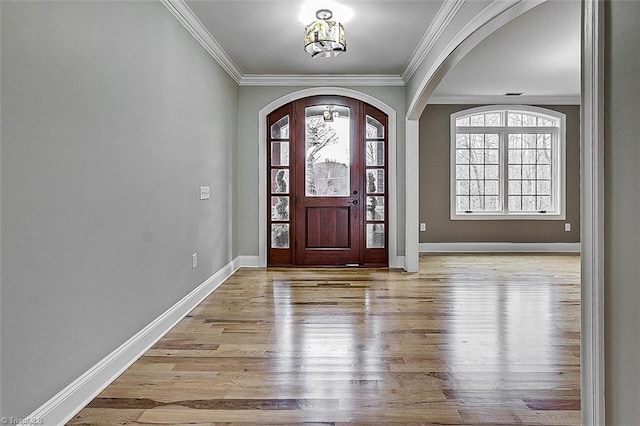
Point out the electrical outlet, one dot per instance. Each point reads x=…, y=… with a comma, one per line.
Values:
x=194, y=261
x=205, y=192
x=567, y=227
x=423, y=227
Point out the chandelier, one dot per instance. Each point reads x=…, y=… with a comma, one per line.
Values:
x=324, y=38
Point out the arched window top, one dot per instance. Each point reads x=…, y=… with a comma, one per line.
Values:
x=375, y=129
x=507, y=116
x=508, y=162
x=280, y=129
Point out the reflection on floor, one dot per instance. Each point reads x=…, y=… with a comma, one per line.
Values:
x=471, y=339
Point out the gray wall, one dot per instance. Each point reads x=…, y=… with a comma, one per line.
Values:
x=435, y=188
x=622, y=206
x=112, y=117
x=252, y=100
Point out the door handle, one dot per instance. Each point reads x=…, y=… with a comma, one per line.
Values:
x=354, y=202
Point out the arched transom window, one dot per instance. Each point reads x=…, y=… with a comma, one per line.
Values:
x=507, y=162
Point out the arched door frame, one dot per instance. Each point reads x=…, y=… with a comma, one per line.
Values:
x=592, y=378
x=394, y=260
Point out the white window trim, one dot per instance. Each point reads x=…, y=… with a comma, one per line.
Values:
x=559, y=180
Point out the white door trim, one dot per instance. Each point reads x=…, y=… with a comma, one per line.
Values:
x=394, y=261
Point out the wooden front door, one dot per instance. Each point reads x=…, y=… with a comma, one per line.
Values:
x=328, y=192
x=327, y=167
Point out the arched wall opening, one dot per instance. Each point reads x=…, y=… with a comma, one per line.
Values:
x=459, y=46
x=592, y=183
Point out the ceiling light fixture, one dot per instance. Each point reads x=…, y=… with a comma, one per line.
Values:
x=324, y=38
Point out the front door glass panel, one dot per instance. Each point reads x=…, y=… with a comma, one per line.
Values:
x=327, y=151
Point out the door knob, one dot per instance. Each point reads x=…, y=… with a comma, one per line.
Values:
x=355, y=192
x=354, y=202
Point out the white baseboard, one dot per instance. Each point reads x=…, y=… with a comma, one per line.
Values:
x=70, y=400
x=499, y=247
x=248, y=261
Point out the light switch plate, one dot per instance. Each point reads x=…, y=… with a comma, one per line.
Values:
x=567, y=227
x=205, y=192
x=423, y=227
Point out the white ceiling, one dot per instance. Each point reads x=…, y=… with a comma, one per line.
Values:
x=537, y=53
x=266, y=37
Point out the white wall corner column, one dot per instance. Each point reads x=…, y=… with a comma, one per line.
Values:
x=592, y=188
x=412, y=168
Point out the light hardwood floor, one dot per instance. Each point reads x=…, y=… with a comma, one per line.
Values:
x=470, y=339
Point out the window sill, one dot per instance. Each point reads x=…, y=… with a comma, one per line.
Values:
x=510, y=216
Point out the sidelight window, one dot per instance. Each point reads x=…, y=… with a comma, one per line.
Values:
x=280, y=185
x=374, y=182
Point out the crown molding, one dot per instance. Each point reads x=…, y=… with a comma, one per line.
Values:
x=188, y=19
x=320, y=80
x=509, y=100
x=183, y=13
x=443, y=17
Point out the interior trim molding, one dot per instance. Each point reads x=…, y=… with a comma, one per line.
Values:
x=73, y=398
x=500, y=248
x=440, y=22
x=321, y=80
x=183, y=13
x=505, y=100
x=592, y=343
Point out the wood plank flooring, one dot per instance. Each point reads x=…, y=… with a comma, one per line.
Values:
x=469, y=340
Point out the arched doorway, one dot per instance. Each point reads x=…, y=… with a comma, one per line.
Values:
x=327, y=159
x=592, y=180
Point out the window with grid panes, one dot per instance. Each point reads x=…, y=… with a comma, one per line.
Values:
x=279, y=184
x=507, y=163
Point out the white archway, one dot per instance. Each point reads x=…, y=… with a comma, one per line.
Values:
x=394, y=260
x=469, y=37
x=592, y=182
